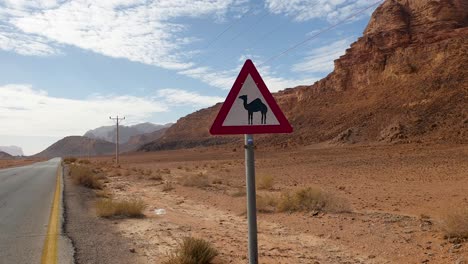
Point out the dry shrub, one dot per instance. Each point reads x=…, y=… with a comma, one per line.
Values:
x=167, y=186
x=84, y=161
x=148, y=172
x=166, y=171
x=193, y=251
x=240, y=192
x=265, y=182
x=266, y=203
x=217, y=181
x=156, y=177
x=125, y=208
x=69, y=160
x=455, y=223
x=197, y=180
x=85, y=176
x=103, y=194
x=311, y=199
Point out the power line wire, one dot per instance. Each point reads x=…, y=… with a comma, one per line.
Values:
x=274, y=57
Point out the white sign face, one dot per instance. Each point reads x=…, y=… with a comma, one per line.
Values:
x=250, y=107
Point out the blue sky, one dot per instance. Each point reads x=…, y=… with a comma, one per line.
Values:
x=66, y=65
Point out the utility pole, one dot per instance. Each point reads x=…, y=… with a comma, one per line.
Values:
x=117, y=137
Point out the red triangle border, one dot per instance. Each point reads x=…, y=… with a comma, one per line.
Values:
x=218, y=129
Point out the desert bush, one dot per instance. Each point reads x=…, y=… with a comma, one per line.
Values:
x=196, y=180
x=455, y=223
x=166, y=171
x=217, y=181
x=69, y=160
x=167, y=186
x=84, y=176
x=265, y=182
x=193, y=251
x=156, y=177
x=103, y=194
x=125, y=208
x=311, y=199
x=84, y=161
x=239, y=192
x=266, y=203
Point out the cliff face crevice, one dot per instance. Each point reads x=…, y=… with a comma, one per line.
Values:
x=404, y=80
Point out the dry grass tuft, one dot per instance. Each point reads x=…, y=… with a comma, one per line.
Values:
x=112, y=208
x=197, y=180
x=265, y=182
x=84, y=161
x=85, y=176
x=69, y=160
x=455, y=223
x=103, y=194
x=240, y=192
x=167, y=187
x=193, y=251
x=312, y=199
x=266, y=203
x=156, y=177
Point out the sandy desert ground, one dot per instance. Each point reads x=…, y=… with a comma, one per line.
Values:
x=398, y=197
x=8, y=163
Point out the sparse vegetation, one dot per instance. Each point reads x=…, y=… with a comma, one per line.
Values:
x=69, y=160
x=265, y=182
x=103, y=194
x=85, y=176
x=193, y=251
x=167, y=186
x=197, y=180
x=266, y=203
x=126, y=208
x=311, y=199
x=84, y=161
x=156, y=177
x=240, y=192
x=455, y=223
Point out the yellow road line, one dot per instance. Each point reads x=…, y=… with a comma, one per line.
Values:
x=49, y=252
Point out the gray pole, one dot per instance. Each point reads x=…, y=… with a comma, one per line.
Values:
x=117, y=139
x=117, y=143
x=251, y=198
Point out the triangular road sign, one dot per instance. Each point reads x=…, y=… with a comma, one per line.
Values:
x=250, y=108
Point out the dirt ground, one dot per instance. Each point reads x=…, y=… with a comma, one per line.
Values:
x=18, y=162
x=398, y=194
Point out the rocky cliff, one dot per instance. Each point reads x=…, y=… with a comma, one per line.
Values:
x=404, y=80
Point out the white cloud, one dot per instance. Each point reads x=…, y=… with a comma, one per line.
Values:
x=138, y=30
x=303, y=10
x=322, y=59
x=26, y=111
x=182, y=97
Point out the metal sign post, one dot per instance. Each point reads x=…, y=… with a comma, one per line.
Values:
x=251, y=198
x=250, y=109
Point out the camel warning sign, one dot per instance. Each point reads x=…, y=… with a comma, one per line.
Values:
x=250, y=108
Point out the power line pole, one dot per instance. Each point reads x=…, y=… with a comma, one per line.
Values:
x=117, y=137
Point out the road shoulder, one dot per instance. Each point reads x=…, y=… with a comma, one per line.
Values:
x=95, y=240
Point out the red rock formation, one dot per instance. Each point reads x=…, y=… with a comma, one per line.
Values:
x=404, y=80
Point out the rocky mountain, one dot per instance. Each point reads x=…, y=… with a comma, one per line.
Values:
x=12, y=150
x=405, y=80
x=78, y=146
x=135, y=142
x=4, y=155
x=107, y=133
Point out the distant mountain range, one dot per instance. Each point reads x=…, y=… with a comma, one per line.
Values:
x=100, y=141
x=108, y=133
x=4, y=155
x=78, y=146
x=12, y=150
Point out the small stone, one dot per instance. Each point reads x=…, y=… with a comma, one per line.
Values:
x=457, y=246
x=132, y=250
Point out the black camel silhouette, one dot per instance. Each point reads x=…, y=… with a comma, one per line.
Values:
x=254, y=106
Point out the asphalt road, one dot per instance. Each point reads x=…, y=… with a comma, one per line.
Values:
x=26, y=199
